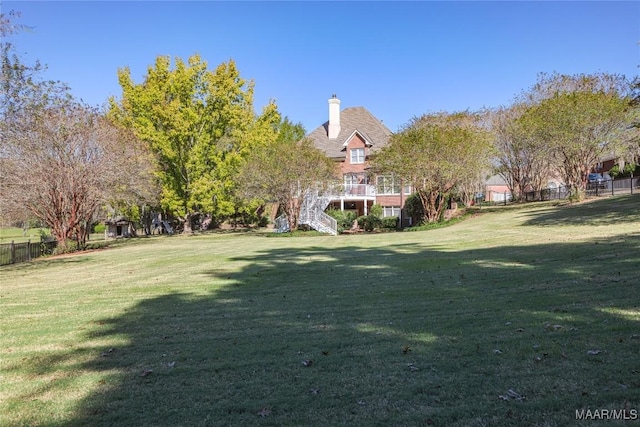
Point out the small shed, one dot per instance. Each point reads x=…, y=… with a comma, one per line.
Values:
x=117, y=227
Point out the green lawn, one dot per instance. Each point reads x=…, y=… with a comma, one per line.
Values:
x=18, y=235
x=513, y=317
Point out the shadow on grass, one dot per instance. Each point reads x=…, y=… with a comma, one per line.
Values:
x=387, y=336
x=607, y=211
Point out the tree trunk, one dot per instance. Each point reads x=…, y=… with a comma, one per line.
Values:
x=187, y=224
x=292, y=210
x=430, y=210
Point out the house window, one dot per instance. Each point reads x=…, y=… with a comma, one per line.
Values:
x=350, y=180
x=387, y=185
x=390, y=211
x=357, y=155
x=355, y=184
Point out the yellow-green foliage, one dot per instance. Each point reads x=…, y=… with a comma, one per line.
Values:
x=200, y=124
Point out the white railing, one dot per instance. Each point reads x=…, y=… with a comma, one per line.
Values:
x=353, y=190
x=360, y=190
x=311, y=214
x=281, y=224
x=324, y=223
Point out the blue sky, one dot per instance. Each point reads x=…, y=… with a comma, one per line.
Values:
x=397, y=59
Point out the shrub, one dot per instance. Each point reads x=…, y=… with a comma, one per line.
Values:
x=369, y=222
x=99, y=228
x=45, y=235
x=413, y=207
x=69, y=246
x=344, y=219
x=264, y=221
x=615, y=171
x=376, y=210
x=390, y=222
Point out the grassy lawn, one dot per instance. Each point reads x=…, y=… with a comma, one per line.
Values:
x=18, y=235
x=514, y=317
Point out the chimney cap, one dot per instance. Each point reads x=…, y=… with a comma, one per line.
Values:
x=334, y=96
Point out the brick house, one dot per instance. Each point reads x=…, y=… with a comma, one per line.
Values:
x=351, y=137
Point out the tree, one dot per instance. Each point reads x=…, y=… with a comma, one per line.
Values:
x=632, y=154
x=580, y=119
x=434, y=153
x=263, y=131
x=521, y=160
x=64, y=162
x=196, y=123
x=60, y=160
x=286, y=170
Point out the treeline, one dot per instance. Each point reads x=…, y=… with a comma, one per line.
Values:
x=187, y=141
x=557, y=130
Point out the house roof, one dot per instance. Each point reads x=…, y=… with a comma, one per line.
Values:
x=496, y=180
x=118, y=220
x=353, y=119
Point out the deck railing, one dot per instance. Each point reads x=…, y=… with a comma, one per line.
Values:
x=353, y=190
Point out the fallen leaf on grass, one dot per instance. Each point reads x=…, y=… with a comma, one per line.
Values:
x=413, y=367
x=106, y=353
x=171, y=364
x=406, y=349
x=314, y=390
x=593, y=352
x=264, y=412
x=511, y=395
x=307, y=363
x=496, y=351
x=519, y=330
x=146, y=372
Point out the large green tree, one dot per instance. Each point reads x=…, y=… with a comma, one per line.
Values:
x=579, y=119
x=286, y=170
x=434, y=153
x=200, y=125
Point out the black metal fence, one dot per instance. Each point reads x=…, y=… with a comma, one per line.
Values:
x=611, y=187
x=608, y=187
x=13, y=253
x=557, y=193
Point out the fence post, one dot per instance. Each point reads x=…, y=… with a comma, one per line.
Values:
x=29, y=250
x=505, y=198
x=631, y=183
x=612, y=188
x=12, y=249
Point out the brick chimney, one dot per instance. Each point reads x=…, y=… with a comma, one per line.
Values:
x=334, y=117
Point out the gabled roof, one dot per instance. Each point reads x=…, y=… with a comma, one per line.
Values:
x=351, y=120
